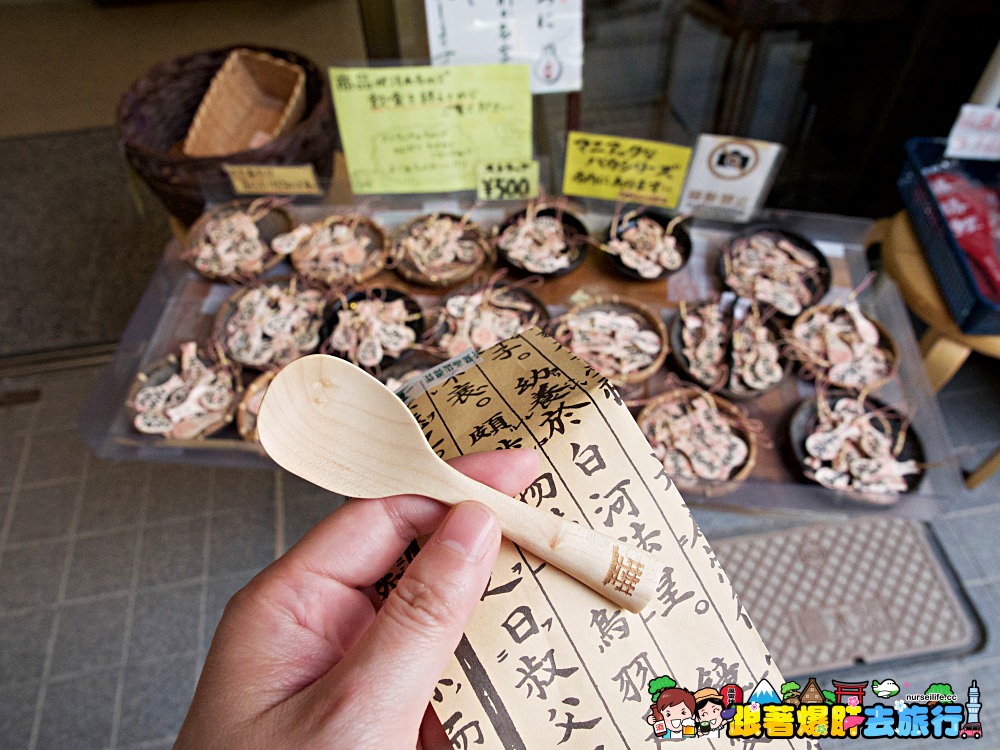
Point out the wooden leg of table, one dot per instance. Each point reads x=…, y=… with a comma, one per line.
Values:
x=942, y=357
x=984, y=471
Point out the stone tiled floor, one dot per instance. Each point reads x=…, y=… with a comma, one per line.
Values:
x=114, y=575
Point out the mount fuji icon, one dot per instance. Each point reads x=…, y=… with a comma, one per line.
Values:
x=764, y=693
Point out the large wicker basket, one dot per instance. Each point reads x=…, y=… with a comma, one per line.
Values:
x=156, y=112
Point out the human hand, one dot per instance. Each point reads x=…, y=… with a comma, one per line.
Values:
x=304, y=656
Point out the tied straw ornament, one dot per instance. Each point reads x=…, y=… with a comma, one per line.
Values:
x=231, y=242
x=486, y=313
x=440, y=249
x=374, y=327
x=647, y=245
x=543, y=238
x=705, y=443
x=776, y=268
x=852, y=443
x=184, y=397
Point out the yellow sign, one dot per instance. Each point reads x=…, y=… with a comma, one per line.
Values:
x=508, y=180
x=427, y=129
x=625, y=169
x=260, y=179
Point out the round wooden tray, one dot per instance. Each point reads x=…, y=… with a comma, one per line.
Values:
x=817, y=283
x=678, y=232
x=457, y=272
x=652, y=412
x=647, y=319
x=575, y=235
x=415, y=321
x=274, y=222
x=802, y=423
x=375, y=260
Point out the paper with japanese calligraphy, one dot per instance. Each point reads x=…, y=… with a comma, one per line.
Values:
x=423, y=129
x=624, y=169
x=545, y=35
x=546, y=662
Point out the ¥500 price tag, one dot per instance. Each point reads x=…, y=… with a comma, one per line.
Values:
x=507, y=180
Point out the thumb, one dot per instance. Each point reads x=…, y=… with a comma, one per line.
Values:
x=396, y=664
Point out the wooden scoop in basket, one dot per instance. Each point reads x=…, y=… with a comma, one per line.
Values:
x=336, y=426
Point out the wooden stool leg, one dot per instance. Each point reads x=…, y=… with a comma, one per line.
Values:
x=942, y=357
x=984, y=471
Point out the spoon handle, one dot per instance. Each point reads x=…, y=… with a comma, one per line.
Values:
x=618, y=571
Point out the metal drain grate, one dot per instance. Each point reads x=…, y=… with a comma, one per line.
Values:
x=832, y=596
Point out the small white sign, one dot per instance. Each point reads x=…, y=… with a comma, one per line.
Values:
x=545, y=35
x=975, y=134
x=728, y=177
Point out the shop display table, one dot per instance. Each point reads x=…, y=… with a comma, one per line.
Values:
x=180, y=305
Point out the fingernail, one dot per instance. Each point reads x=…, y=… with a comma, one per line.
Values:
x=469, y=529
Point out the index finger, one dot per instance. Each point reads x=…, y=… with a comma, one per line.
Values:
x=359, y=542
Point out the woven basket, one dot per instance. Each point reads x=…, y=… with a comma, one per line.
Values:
x=252, y=99
x=156, y=112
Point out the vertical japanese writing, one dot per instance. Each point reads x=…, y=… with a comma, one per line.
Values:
x=520, y=624
x=642, y=539
x=619, y=500
x=589, y=459
x=385, y=585
x=633, y=677
x=543, y=488
x=491, y=427
x=610, y=627
x=504, y=588
x=538, y=673
x=720, y=673
x=570, y=725
x=461, y=393
x=668, y=593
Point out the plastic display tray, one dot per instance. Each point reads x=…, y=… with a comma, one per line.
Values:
x=972, y=312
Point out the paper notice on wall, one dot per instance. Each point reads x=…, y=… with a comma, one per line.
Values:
x=975, y=134
x=729, y=178
x=545, y=35
x=546, y=662
x=424, y=129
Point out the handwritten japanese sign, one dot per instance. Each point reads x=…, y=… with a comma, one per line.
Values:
x=266, y=179
x=729, y=177
x=624, y=169
x=546, y=662
x=975, y=134
x=545, y=35
x=500, y=181
x=426, y=129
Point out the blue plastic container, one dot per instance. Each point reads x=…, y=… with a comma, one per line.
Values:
x=973, y=313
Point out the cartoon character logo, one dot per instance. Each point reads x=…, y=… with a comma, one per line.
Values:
x=711, y=712
x=885, y=689
x=673, y=709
